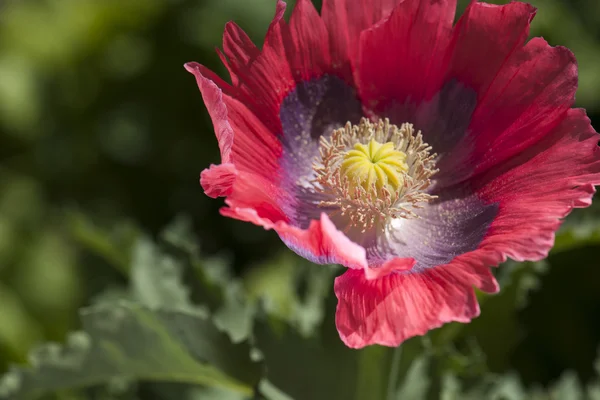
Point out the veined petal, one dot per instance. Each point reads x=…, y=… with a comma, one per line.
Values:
x=218, y=180
x=261, y=78
x=307, y=48
x=539, y=187
x=513, y=158
x=321, y=243
x=243, y=139
x=403, y=58
x=213, y=99
x=483, y=40
x=345, y=20
x=527, y=100
x=249, y=152
x=398, y=306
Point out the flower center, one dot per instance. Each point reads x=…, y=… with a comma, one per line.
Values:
x=374, y=166
x=374, y=172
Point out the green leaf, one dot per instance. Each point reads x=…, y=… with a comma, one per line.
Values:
x=321, y=367
x=508, y=387
x=235, y=316
x=179, y=234
x=517, y=280
x=271, y=392
x=568, y=387
x=212, y=393
x=156, y=279
x=314, y=368
x=293, y=290
x=214, y=287
x=112, y=245
x=593, y=390
x=583, y=233
x=138, y=343
x=416, y=382
x=451, y=388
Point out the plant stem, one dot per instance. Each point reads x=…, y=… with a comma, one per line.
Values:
x=393, y=378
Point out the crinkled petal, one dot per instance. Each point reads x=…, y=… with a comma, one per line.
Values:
x=483, y=40
x=539, y=187
x=243, y=139
x=321, y=243
x=403, y=58
x=218, y=180
x=215, y=104
x=393, y=308
x=292, y=53
x=528, y=99
x=396, y=264
x=345, y=20
x=307, y=46
x=238, y=50
x=249, y=153
x=261, y=78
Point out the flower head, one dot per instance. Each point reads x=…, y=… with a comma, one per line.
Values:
x=415, y=152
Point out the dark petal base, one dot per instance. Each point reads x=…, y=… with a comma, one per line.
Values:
x=314, y=109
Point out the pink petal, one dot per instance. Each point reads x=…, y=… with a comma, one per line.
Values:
x=539, y=187
x=321, y=243
x=213, y=99
x=243, y=139
x=484, y=39
x=345, y=20
x=528, y=98
x=238, y=50
x=403, y=58
x=249, y=152
x=218, y=180
x=396, y=264
x=261, y=78
x=391, y=309
x=307, y=47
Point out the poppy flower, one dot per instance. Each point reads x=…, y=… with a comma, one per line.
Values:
x=416, y=152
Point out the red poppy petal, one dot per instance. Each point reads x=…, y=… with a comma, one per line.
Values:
x=396, y=264
x=262, y=78
x=345, y=20
x=403, y=57
x=249, y=153
x=218, y=180
x=393, y=308
x=213, y=99
x=539, y=187
x=483, y=40
x=238, y=50
x=321, y=243
x=308, y=47
x=528, y=98
x=243, y=138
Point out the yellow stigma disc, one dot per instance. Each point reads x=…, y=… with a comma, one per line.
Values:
x=375, y=164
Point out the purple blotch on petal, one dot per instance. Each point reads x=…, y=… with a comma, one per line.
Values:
x=444, y=121
x=313, y=109
x=452, y=225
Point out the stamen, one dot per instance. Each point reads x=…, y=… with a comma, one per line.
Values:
x=374, y=172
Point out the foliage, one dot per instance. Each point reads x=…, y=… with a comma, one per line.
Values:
x=102, y=136
x=160, y=330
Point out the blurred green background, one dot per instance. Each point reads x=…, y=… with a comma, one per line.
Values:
x=103, y=133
